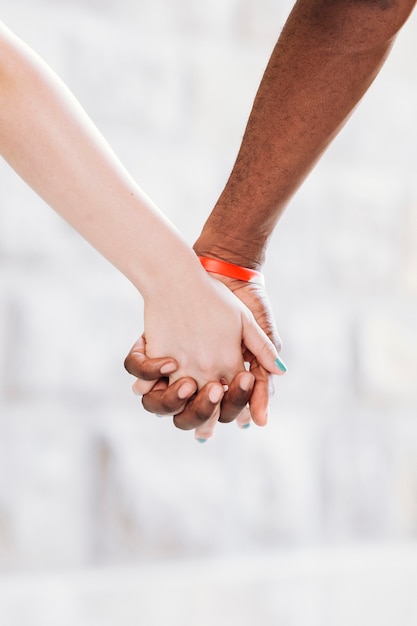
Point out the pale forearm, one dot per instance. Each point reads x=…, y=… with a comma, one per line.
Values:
x=326, y=57
x=52, y=144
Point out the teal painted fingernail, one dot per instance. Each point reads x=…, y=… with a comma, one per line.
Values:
x=246, y=426
x=201, y=440
x=280, y=364
x=157, y=415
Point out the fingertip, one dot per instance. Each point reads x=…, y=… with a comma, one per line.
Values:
x=246, y=381
x=141, y=387
x=262, y=348
x=281, y=366
x=203, y=437
x=216, y=393
x=135, y=356
x=244, y=419
x=260, y=418
x=272, y=362
x=168, y=368
x=186, y=390
x=206, y=430
x=203, y=434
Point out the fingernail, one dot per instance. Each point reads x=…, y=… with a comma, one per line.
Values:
x=201, y=440
x=168, y=368
x=157, y=415
x=215, y=394
x=280, y=364
x=185, y=390
x=246, y=426
x=246, y=382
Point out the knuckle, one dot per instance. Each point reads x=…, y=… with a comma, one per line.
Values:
x=202, y=414
x=236, y=399
x=147, y=405
x=128, y=363
x=227, y=417
x=135, y=365
x=167, y=405
x=182, y=423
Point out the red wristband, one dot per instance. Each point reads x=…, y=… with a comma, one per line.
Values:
x=232, y=271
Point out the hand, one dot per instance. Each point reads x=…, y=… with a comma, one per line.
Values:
x=206, y=335
x=191, y=409
x=213, y=243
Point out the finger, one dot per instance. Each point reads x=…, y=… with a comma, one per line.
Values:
x=145, y=368
x=206, y=430
x=167, y=399
x=237, y=397
x=261, y=347
x=158, y=385
x=141, y=387
x=200, y=408
x=244, y=418
x=261, y=395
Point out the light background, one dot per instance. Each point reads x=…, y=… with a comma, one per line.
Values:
x=111, y=516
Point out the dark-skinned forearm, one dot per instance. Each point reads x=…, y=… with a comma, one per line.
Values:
x=328, y=54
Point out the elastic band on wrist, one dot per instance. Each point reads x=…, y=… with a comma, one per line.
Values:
x=232, y=271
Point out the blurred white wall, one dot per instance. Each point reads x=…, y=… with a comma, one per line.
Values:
x=87, y=478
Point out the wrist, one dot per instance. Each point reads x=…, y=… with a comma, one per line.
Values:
x=231, y=270
x=218, y=245
x=176, y=270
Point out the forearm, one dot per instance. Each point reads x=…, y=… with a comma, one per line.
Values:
x=51, y=143
x=47, y=138
x=326, y=57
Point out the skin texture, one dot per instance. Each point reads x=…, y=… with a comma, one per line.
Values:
x=52, y=144
x=326, y=57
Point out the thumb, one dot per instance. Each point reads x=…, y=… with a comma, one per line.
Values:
x=262, y=348
x=146, y=368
